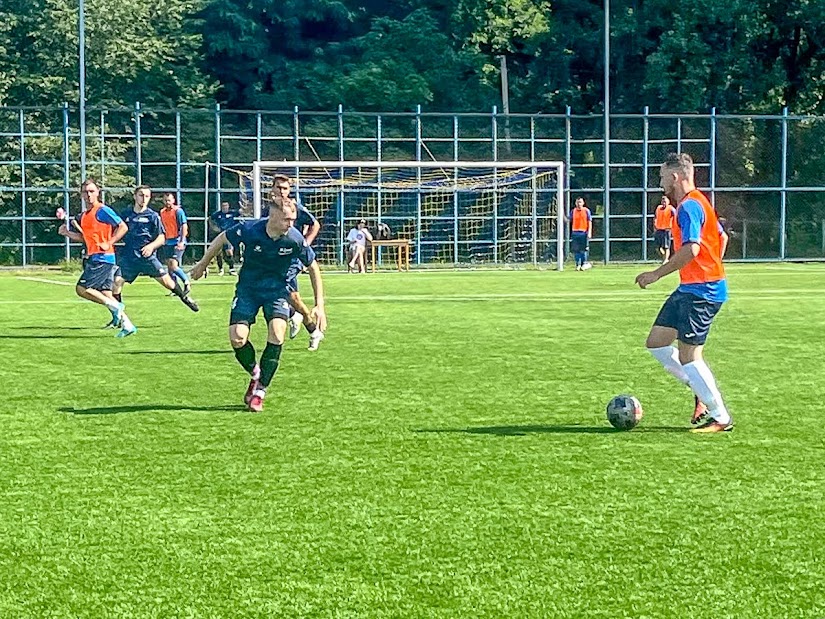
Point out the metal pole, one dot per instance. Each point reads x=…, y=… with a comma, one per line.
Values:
x=82, y=93
x=713, y=156
x=564, y=248
x=218, y=162
x=138, y=146
x=66, y=178
x=783, y=196
x=495, y=184
x=606, y=131
x=456, y=227
x=645, y=156
x=177, y=166
x=505, y=101
x=23, y=184
x=418, y=204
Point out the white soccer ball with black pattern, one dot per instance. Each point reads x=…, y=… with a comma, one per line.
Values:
x=624, y=412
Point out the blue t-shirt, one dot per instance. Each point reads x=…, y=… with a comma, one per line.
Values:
x=180, y=217
x=144, y=227
x=304, y=217
x=268, y=262
x=690, y=217
x=104, y=215
x=224, y=221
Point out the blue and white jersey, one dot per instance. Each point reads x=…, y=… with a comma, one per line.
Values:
x=144, y=227
x=268, y=263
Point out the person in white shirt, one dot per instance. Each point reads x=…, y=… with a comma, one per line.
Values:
x=358, y=238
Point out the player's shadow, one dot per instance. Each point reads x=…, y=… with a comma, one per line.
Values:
x=144, y=408
x=225, y=351
x=556, y=429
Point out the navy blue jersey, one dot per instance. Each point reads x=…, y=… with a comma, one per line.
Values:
x=268, y=262
x=144, y=227
x=224, y=221
x=304, y=217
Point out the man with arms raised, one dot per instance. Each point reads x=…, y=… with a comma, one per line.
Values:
x=686, y=316
x=270, y=247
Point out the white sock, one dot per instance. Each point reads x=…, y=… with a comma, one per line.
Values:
x=112, y=305
x=704, y=386
x=127, y=324
x=297, y=318
x=260, y=392
x=668, y=356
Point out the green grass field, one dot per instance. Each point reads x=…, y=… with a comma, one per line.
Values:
x=444, y=454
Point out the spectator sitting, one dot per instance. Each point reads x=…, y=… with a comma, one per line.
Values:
x=358, y=237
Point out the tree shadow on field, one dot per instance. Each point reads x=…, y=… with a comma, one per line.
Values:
x=559, y=429
x=145, y=408
x=53, y=336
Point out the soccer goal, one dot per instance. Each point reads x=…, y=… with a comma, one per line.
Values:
x=451, y=212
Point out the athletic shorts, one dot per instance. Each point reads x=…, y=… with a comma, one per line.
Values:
x=690, y=315
x=167, y=252
x=663, y=238
x=578, y=242
x=130, y=268
x=245, y=305
x=98, y=275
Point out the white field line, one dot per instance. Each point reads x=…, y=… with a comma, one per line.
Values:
x=43, y=280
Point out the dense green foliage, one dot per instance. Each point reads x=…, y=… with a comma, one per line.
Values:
x=740, y=55
x=444, y=454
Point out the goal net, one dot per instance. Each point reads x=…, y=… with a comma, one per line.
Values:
x=451, y=212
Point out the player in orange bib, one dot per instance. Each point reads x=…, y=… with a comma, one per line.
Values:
x=686, y=316
x=663, y=226
x=581, y=229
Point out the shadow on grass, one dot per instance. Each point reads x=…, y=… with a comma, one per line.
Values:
x=53, y=336
x=560, y=429
x=143, y=408
x=226, y=351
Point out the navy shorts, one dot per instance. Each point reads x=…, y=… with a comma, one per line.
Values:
x=131, y=268
x=245, y=305
x=690, y=315
x=167, y=252
x=98, y=275
x=578, y=242
x=663, y=238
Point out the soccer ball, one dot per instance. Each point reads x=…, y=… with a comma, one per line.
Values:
x=624, y=412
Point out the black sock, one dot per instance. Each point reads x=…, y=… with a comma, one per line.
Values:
x=220, y=262
x=118, y=297
x=246, y=356
x=178, y=289
x=310, y=327
x=269, y=363
x=231, y=262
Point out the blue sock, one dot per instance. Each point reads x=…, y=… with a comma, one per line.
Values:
x=179, y=272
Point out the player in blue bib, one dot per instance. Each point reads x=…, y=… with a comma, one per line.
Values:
x=138, y=256
x=270, y=248
x=221, y=221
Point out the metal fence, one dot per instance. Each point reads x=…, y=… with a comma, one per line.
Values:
x=763, y=172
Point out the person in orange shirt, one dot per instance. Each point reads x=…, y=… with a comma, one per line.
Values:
x=686, y=316
x=100, y=228
x=581, y=229
x=663, y=224
x=175, y=229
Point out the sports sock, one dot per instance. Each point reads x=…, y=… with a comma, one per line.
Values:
x=220, y=262
x=178, y=289
x=231, y=262
x=118, y=297
x=310, y=327
x=703, y=384
x=270, y=360
x=297, y=317
x=113, y=306
x=179, y=272
x=126, y=324
x=668, y=356
x=246, y=357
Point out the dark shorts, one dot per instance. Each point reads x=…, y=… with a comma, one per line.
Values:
x=245, y=305
x=167, y=252
x=663, y=238
x=98, y=275
x=131, y=268
x=690, y=315
x=578, y=242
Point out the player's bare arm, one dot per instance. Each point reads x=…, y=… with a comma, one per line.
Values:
x=75, y=236
x=211, y=251
x=184, y=234
x=318, y=314
x=686, y=253
x=152, y=247
x=119, y=233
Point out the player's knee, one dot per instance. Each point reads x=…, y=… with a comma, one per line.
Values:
x=80, y=291
x=237, y=341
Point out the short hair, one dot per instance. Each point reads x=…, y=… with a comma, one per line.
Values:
x=89, y=181
x=679, y=162
x=139, y=187
x=280, y=178
x=170, y=193
x=280, y=202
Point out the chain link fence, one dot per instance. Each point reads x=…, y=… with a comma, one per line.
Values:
x=762, y=172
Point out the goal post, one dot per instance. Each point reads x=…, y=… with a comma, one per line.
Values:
x=456, y=211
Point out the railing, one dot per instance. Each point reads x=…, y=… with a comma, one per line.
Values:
x=763, y=172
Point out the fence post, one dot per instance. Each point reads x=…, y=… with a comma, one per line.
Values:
x=23, y=184
x=217, y=154
x=177, y=164
x=456, y=227
x=66, y=176
x=258, y=136
x=296, y=135
x=645, y=159
x=418, y=184
x=568, y=158
x=380, y=172
x=744, y=239
x=783, y=194
x=103, y=147
x=138, y=146
x=606, y=187
x=713, y=156
x=494, y=129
